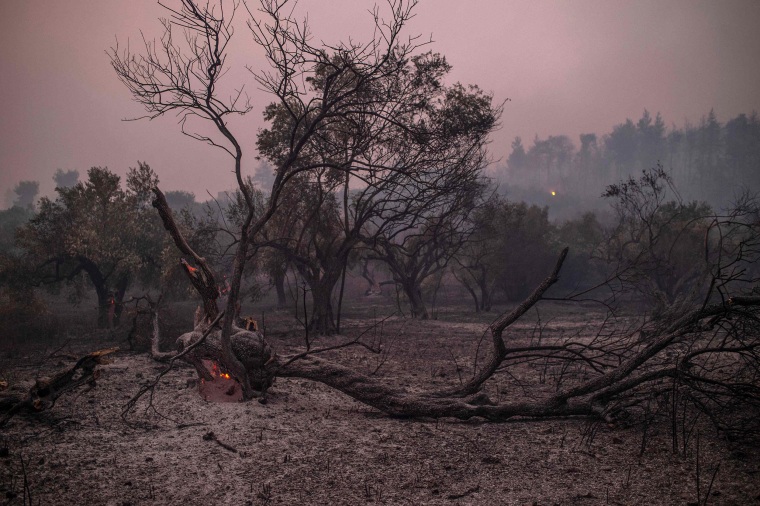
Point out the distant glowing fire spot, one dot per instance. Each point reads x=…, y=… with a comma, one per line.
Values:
x=554, y=194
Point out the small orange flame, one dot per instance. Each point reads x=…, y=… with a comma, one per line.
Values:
x=222, y=387
x=217, y=372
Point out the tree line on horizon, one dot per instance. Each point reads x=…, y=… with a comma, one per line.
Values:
x=98, y=236
x=711, y=161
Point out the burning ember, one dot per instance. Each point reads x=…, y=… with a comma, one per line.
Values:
x=217, y=372
x=222, y=388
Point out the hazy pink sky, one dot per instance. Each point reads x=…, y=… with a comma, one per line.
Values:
x=568, y=67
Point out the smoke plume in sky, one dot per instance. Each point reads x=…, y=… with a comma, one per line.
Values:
x=566, y=68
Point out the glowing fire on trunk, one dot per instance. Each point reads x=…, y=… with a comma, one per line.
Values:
x=222, y=388
x=215, y=370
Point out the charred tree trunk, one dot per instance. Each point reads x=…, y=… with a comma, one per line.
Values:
x=104, y=305
x=121, y=290
x=322, y=285
x=416, y=303
x=486, y=294
x=278, y=280
x=99, y=282
x=229, y=358
x=44, y=393
x=400, y=403
x=263, y=365
x=323, y=316
x=202, y=277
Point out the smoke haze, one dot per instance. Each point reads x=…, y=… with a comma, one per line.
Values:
x=566, y=67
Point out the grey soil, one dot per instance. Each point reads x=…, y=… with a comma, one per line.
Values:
x=311, y=445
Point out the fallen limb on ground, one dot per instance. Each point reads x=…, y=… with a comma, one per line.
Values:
x=45, y=392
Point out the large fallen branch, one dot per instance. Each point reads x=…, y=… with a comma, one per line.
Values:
x=44, y=393
x=400, y=403
x=263, y=366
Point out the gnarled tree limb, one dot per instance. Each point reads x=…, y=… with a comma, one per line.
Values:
x=202, y=277
x=44, y=393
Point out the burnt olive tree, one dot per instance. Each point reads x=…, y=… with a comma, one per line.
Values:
x=314, y=87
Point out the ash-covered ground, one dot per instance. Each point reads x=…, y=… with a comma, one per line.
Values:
x=312, y=445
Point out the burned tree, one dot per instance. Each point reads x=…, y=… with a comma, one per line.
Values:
x=43, y=394
x=476, y=264
x=324, y=93
x=172, y=77
x=308, y=233
x=704, y=349
x=657, y=247
x=507, y=251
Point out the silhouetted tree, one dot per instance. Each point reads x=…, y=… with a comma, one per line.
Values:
x=622, y=147
x=374, y=176
x=742, y=150
x=551, y=159
x=65, y=179
x=657, y=244
x=417, y=251
x=584, y=236
x=26, y=192
x=652, y=142
x=10, y=220
x=478, y=262
x=518, y=159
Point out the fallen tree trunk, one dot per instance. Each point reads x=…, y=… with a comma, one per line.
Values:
x=400, y=403
x=263, y=366
x=44, y=393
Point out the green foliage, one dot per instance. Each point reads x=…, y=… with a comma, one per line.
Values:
x=97, y=229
